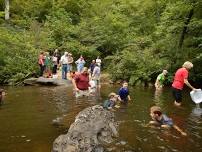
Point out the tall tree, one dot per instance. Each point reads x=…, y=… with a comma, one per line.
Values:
x=7, y=15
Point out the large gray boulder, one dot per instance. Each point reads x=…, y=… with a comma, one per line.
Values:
x=93, y=128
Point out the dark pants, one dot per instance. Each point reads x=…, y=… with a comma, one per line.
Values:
x=54, y=69
x=177, y=94
x=42, y=68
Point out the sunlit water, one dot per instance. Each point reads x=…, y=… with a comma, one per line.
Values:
x=32, y=117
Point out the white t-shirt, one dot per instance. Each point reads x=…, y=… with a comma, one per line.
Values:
x=64, y=59
x=98, y=61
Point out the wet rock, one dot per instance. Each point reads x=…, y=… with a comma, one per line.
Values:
x=93, y=127
x=30, y=81
x=46, y=81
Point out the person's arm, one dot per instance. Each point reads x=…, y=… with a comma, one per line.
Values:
x=74, y=85
x=94, y=71
x=71, y=61
x=188, y=84
x=180, y=130
x=129, y=98
x=119, y=93
x=157, y=83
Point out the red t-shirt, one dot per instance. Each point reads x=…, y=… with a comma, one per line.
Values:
x=82, y=81
x=180, y=75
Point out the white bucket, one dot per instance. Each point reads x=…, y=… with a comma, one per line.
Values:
x=196, y=96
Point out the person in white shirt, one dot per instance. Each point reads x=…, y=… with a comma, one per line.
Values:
x=96, y=74
x=64, y=62
x=98, y=61
x=80, y=64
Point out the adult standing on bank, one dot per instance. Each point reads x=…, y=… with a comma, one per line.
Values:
x=98, y=61
x=181, y=78
x=92, y=66
x=80, y=64
x=64, y=62
x=70, y=61
x=58, y=55
x=41, y=63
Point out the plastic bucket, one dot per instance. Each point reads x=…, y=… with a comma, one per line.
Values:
x=196, y=96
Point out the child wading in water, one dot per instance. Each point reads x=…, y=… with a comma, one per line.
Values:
x=111, y=102
x=124, y=96
x=162, y=120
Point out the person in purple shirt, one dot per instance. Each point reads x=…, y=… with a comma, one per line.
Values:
x=92, y=66
x=124, y=96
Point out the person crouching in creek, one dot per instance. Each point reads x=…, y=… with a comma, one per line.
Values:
x=111, y=102
x=124, y=96
x=81, y=83
x=160, y=119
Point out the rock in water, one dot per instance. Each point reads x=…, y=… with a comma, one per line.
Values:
x=93, y=127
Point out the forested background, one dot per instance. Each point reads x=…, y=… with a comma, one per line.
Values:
x=136, y=39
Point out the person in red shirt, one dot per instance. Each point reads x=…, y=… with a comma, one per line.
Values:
x=81, y=83
x=181, y=78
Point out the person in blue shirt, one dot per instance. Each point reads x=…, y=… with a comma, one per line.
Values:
x=160, y=119
x=124, y=96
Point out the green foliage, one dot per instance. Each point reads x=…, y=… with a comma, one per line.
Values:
x=137, y=38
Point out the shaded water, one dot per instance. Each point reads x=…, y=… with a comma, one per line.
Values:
x=29, y=120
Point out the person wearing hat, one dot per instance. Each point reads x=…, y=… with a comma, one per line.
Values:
x=70, y=61
x=181, y=78
x=111, y=102
x=64, y=62
x=160, y=80
x=160, y=119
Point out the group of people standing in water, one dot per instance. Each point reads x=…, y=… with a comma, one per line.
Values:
x=180, y=78
x=86, y=81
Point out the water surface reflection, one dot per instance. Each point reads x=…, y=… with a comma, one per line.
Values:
x=32, y=117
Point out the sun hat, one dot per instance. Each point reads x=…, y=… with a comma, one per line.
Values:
x=112, y=94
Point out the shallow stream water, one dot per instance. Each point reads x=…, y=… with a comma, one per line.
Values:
x=32, y=117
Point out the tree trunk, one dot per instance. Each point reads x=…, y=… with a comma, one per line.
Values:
x=7, y=15
x=184, y=31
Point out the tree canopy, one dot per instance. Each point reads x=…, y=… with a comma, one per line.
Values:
x=136, y=38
